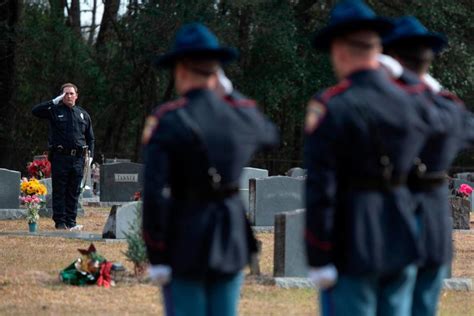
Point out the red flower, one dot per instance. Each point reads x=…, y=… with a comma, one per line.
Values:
x=137, y=196
x=465, y=189
x=39, y=169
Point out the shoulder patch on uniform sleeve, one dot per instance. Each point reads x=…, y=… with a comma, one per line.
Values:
x=152, y=121
x=315, y=112
x=169, y=106
x=150, y=125
x=335, y=90
x=240, y=102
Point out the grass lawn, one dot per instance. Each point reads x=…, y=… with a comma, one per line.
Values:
x=29, y=281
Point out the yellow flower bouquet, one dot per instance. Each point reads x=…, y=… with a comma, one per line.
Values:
x=33, y=193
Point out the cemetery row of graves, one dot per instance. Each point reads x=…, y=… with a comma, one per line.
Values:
x=274, y=203
x=276, y=280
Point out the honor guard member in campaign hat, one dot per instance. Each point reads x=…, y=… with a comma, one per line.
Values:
x=70, y=141
x=415, y=48
x=195, y=229
x=362, y=137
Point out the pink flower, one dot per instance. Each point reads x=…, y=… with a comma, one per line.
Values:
x=465, y=189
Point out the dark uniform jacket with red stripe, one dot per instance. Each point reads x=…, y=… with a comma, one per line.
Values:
x=455, y=133
x=199, y=230
x=352, y=220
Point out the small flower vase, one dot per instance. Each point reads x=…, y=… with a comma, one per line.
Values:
x=32, y=227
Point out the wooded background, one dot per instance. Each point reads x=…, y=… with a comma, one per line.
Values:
x=46, y=43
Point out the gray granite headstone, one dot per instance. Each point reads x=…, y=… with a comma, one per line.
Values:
x=460, y=210
x=289, y=256
x=114, y=160
x=461, y=175
x=272, y=195
x=125, y=217
x=40, y=157
x=296, y=172
x=9, y=189
x=47, y=211
x=247, y=174
x=119, y=181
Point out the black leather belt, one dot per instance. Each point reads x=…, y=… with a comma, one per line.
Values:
x=377, y=183
x=427, y=181
x=206, y=195
x=76, y=152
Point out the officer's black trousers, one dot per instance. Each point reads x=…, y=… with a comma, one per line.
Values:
x=66, y=174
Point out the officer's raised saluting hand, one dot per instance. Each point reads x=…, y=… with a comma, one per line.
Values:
x=58, y=99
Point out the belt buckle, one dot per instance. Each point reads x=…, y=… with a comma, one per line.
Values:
x=73, y=152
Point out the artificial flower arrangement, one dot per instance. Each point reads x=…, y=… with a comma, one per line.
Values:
x=33, y=193
x=90, y=268
x=39, y=168
x=464, y=190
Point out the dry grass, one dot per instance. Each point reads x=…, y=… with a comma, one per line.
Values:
x=29, y=281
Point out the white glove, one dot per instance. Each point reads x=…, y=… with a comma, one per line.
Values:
x=391, y=65
x=224, y=83
x=432, y=83
x=89, y=161
x=323, y=277
x=159, y=274
x=58, y=99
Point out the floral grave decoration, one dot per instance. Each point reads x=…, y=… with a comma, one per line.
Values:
x=464, y=190
x=32, y=197
x=39, y=168
x=89, y=268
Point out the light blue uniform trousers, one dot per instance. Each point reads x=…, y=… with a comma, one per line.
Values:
x=427, y=288
x=220, y=297
x=371, y=295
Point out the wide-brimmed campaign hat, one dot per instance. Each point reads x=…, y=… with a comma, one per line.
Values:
x=348, y=16
x=196, y=40
x=409, y=29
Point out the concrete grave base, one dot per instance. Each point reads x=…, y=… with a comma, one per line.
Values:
x=48, y=212
x=453, y=284
x=293, y=283
x=263, y=229
x=458, y=284
x=17, y=213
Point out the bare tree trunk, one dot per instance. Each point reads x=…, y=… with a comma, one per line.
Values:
x=9, y=17
x=93, y=26
x=57, y=8
x=74, y=16
x=109, y=17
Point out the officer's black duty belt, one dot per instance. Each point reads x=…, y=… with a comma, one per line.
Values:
x=76, y=152
x=206, y=195
x=377, y=183
x=428, y=181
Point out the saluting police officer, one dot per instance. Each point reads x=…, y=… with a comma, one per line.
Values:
x=70, y=137
x=194, y=224
x=415, y=48
x=362, y=138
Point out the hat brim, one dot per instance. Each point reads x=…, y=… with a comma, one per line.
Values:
x=436, y=41
x=224, y=55
x=322, y=40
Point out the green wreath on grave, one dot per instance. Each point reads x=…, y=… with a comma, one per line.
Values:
x=90, y=268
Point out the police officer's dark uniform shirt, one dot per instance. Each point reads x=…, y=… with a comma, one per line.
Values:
x=356, y=218
x=431, y=188
x=70, y=128
x=197, y=229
